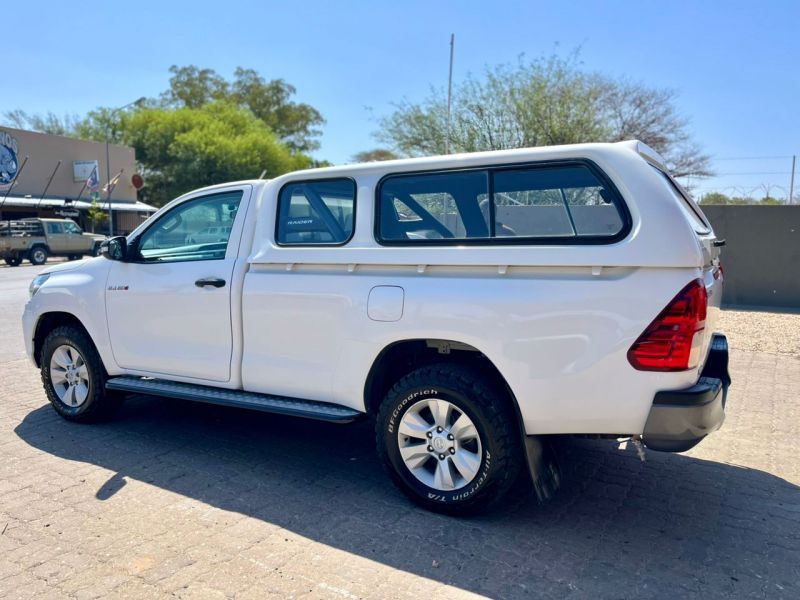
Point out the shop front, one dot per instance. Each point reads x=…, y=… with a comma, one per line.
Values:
x=50, y=176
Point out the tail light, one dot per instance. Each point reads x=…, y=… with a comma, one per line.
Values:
x=671, y=342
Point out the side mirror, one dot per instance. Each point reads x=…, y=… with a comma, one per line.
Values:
x=115, y=248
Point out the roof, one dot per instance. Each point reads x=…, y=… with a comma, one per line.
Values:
x=20, y=201
x=465, y=159
x=487, y=157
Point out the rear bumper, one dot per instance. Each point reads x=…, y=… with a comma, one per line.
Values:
x=680, y=419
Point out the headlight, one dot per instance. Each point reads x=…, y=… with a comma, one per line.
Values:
x=37, y=282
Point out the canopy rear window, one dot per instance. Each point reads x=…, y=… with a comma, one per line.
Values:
x=569, y=202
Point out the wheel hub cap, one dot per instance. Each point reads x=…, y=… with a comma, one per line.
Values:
x=439, y=444
x=69, y=376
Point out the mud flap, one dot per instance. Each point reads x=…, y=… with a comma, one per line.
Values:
x=543, y=467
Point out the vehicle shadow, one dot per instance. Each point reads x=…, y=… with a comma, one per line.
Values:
x=670, y=526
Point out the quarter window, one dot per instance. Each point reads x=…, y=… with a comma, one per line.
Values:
x=525, y=204
x=318, y=212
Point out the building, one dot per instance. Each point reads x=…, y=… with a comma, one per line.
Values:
x=44, y=175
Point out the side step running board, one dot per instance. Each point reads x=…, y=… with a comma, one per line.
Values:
x=311, y=409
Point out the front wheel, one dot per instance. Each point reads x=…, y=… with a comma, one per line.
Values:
x=449, y=439
x=74, y=377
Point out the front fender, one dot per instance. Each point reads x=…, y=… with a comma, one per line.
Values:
x=79, y=292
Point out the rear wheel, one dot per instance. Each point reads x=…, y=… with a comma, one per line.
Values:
x=449, y=440
x=74, y=378
x=13, y=262
x=38, y=255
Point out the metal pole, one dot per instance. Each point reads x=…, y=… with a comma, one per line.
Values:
x=108, y=183
x=84, y=187
x=14, y=181
x=137, y=102
x=449, y=92
x=791, y=185
x=47, y=187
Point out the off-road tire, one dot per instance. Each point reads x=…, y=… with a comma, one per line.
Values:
x=99, y=404
x=491, y=412
x=38, y=255
x=13, y=262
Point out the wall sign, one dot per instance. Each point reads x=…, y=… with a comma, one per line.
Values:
x=82, y=170
x=9, y=165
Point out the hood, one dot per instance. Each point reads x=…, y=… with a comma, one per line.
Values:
x=97, y=236
x=68, y=266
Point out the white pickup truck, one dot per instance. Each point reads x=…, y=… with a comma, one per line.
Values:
x=472, y=305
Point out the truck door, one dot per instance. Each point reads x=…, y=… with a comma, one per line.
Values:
x=56, y=237
x=76, y=242
x=169, y=305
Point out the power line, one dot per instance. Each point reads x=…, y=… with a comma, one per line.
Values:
x=754, y=157
x=753, y=173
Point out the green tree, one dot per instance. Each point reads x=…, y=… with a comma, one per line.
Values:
x=47, y=123
x=543, y=102
x=378, y=154
x=718, y=198
x=715, y=198
x=97, y=216
x=186, y=148
x=191, y=87
x=296, y=124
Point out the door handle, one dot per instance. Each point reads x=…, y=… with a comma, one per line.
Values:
x=213, y=281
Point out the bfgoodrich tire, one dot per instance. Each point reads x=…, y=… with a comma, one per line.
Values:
x=74, y=378
x=449, y=439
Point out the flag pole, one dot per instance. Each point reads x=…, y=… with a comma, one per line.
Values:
x=84, y=184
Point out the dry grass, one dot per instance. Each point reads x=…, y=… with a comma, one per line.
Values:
x=777, y=333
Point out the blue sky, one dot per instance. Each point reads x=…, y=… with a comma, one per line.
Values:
x=734, y=64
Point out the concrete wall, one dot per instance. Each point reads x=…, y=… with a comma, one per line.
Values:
x=44, y=152
x=762, y=255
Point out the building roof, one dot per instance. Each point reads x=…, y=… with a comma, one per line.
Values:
x=20, y=201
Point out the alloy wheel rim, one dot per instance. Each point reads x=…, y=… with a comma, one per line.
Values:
x=69, y=376
x=439, y=444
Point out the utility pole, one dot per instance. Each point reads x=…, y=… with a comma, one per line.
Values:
x=137, y=102
x=791, y=185
x=449, y=92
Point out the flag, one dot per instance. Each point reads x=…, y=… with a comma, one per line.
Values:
x=93, y=183
x=109, y=188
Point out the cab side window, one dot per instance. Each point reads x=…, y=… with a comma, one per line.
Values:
x=182, y=234
x=320, y=212
x=71, y=227
x=54, y=228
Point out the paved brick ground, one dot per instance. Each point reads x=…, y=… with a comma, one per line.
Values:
x=203, y=502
